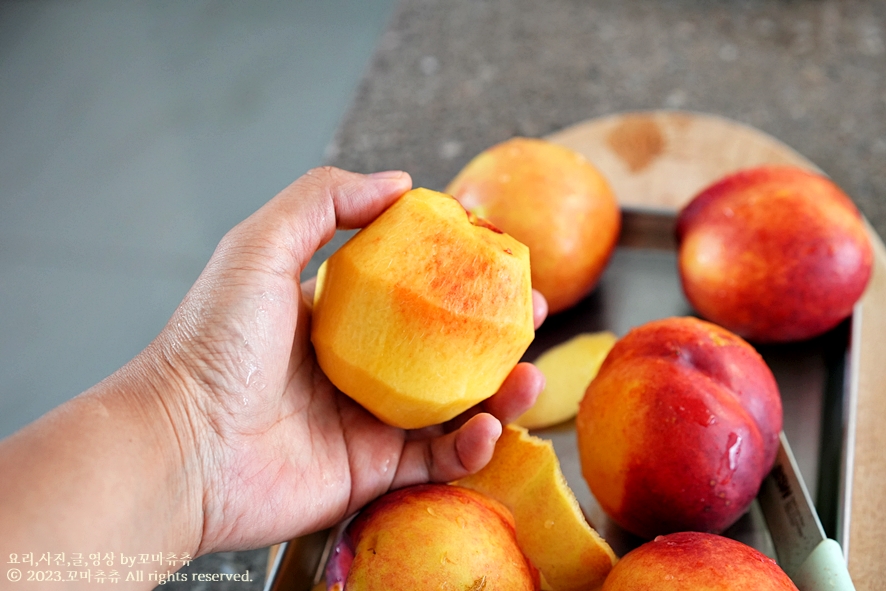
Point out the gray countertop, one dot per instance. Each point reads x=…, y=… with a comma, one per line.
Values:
x=450, y=79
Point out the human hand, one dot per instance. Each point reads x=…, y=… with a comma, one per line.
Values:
x=273, y=449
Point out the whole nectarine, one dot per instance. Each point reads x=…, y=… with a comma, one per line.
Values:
x=689, y=561
x=432, y=536
x=679, y=428
x=775, y=254
x=554, y=201
x=424, y=312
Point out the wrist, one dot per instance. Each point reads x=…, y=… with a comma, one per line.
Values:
x=152, y=398
x=111, y=470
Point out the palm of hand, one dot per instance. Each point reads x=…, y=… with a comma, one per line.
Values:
x=280, y=450
x=283, y=450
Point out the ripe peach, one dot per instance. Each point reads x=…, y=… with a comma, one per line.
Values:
x=554, y=201
x=432, y=536
x=689, y=561
x=424, y=312
x=775, y=254
x=679, y=428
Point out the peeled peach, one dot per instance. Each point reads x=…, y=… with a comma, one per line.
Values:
x=774, y=254
x=692, y=561
x=432, y=536
x=679, y=428
x=424, y=312
x=568, y=369
x=524, y=475
x=554, y=201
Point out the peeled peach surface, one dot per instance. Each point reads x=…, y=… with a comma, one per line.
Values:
x=692, y=561
x=435, y=537
x=424, y=312
x=679, y=428
x=553, y=200
x=774, y=254
x=524, y=475
x=568, y=369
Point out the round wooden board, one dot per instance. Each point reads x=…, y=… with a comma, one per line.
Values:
x=659, y=160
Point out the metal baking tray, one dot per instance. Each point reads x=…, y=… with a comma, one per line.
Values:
x=641, y=284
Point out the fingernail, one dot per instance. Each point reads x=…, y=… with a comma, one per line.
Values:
x=496, y=436
x=387, y=174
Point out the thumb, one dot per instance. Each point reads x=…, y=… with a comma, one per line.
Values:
x=304, y=216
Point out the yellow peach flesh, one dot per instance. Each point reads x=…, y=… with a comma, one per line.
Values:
x=423, y=314
x=525, y=476
x=568, y=369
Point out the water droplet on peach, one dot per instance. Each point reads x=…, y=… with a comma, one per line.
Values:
x=733, y=449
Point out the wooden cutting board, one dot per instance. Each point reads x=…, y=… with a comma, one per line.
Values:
x=660, y=160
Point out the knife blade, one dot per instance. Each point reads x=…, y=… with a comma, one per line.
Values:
x=812, y=560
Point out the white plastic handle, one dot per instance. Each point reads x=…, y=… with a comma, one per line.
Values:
x=824, y=570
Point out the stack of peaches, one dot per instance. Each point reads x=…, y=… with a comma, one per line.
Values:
x=423, y=313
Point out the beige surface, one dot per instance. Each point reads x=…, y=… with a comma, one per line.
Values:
x=867, y=551
x=659, y=160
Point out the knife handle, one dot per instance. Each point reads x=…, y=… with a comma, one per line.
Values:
x=824, y=570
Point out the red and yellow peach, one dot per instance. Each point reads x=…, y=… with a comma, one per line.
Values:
x=774, y=254
x=679, y=428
